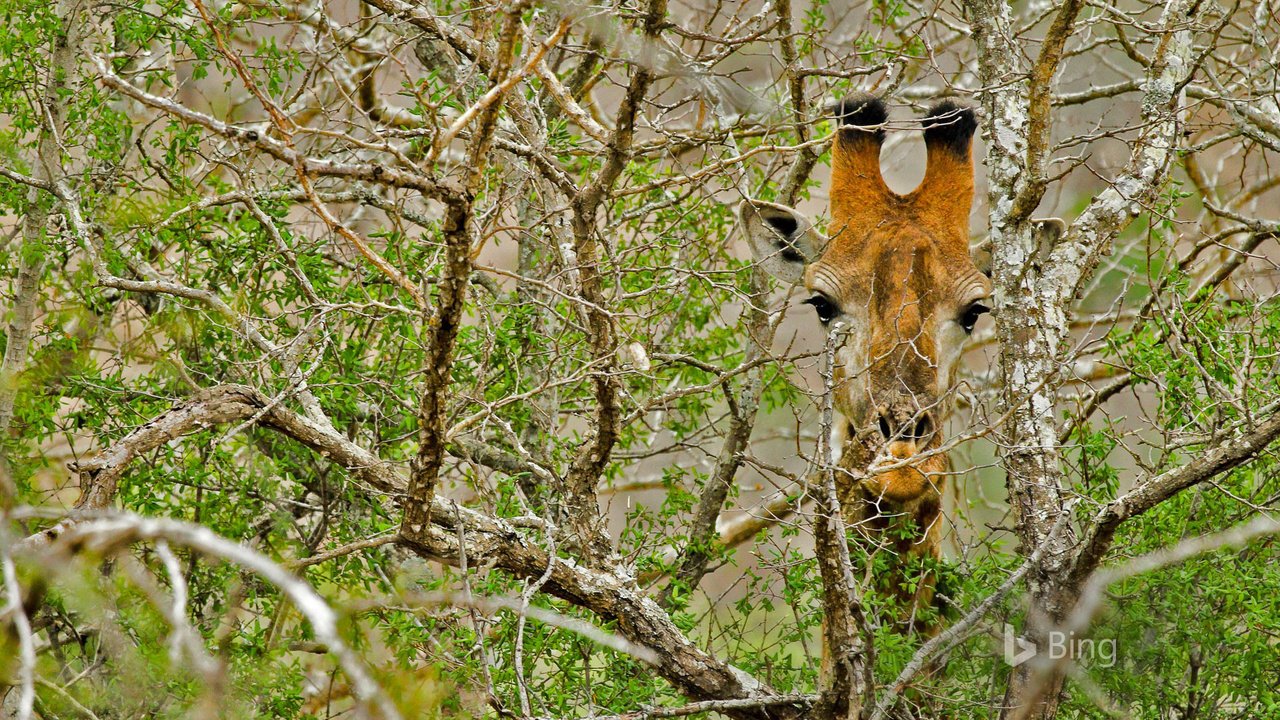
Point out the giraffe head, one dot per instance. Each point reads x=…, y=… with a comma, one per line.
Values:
x=896, y=270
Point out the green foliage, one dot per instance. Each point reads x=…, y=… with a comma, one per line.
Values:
x=272, y=297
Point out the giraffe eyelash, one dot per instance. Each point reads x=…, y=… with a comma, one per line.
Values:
x=970, y=316
x=827, y=310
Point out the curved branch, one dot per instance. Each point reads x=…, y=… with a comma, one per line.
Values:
x=109, y=535
x=1142, y=498
x=612, y=596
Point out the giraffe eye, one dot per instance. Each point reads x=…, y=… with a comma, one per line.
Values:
x=970, y=316
x=827, y=310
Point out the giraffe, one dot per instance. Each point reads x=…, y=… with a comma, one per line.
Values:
x=896, y=271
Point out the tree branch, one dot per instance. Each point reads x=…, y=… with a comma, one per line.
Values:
x=1213, y=462
x=580, y=502
x=110, y=535
x=695, y=673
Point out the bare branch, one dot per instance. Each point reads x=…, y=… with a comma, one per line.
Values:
x=1221, y=458
x=110, y=535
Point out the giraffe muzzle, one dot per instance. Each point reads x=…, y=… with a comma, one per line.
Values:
x=905, y=420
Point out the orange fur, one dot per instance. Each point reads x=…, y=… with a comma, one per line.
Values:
x=859, y=195
x=902, y=260
x=944, y=198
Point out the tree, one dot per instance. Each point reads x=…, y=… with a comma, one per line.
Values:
x=394, y=358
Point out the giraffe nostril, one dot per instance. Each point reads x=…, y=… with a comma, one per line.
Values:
x=915, y=430
x=923, y=428
x=885, y=428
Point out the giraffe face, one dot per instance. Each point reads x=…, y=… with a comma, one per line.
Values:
x=897, y=275
x=909, y=307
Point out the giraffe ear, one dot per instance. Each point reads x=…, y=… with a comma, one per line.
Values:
x=981, y=256
x=782, y=239
x=1047, y=233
